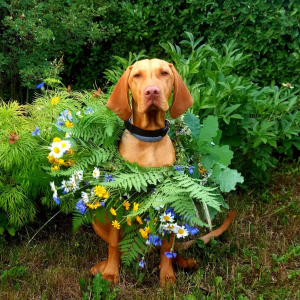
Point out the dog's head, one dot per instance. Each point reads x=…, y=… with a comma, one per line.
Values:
x=151, y=83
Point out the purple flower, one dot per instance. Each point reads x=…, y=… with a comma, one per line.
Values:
x=179, y=168
x=87, y=183
x=170, y=254
x=102, y=204
x=142, y=264
x=36, y=131
x=191, y=169
x=81, y=207
x=39, y=86
x=56, y=200
x=89, y=110
x=108, y=178
x=191, y=230
x=170, y=210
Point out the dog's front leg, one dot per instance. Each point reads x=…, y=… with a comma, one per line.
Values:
x=111, y=270
x=166, y=268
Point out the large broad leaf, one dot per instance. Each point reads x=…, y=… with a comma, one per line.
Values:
x=193, y=123
x=209, y=129
x=222, y=155
x=228, y=179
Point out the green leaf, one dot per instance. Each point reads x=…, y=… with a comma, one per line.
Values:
x=193, y=123
x=228, y=179
x=209, y=129
x=11, y=231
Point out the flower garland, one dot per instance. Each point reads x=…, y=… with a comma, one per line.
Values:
x=95, y=194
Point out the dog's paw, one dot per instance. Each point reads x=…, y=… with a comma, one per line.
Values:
x=185, y=263
x=99, y=268
x=113, y=278
x=166, y=277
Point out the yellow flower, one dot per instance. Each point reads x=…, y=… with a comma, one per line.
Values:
x=135, y=206
x=155, y=219
x=70, y=151
x=113, y=212
x=147, y=229
x=61, y=161
x=139, y=219
x=55, y=100
x=56, y=139
x=116, y=224
x=94, y=206
x=128, y=221
x=143, y=233
x=56, y=161
x=105, y=195
x=69, y=124
x=55, y=168
x=126, y=204
x=50, y=159
x=100, y=191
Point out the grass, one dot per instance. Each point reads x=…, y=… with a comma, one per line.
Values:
x=257, y=258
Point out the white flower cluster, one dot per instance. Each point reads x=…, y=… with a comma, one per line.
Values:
x=72, y=184
x=59, y=148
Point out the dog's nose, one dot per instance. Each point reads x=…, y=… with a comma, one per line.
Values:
x=152, y=91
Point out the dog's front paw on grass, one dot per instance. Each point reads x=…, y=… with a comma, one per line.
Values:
x=113, y=278
x=166, y=277
x=99, y=268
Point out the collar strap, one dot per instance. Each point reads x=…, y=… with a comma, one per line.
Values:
x=146, y=135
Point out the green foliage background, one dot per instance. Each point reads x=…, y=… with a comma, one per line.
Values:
x=87, y=34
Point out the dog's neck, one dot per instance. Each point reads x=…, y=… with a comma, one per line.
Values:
x=152, y=120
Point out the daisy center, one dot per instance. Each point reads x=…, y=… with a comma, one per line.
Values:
x=63, y=145
x=180, y=231
x=56, y=150
x=166, y=218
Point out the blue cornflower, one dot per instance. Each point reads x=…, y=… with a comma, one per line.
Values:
x=81, y=207
x=154, y=191
x=59, y=122
x=102, y=204
x=191, y=169
x=170, y=254
x=39, y=86
x=108, y=178
x=36, y=131
x=64, y=191
x=156, y=241
x=87, y=183
x=179, y=168
x=142, y=264
x=170, y=210
x=89, y=110
x=191, y=230
x=147, y=219
x=56, y=200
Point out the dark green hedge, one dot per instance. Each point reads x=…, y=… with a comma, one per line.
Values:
x=88, y=33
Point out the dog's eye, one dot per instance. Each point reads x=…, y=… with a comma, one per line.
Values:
x=164, y=73
x=137, y=75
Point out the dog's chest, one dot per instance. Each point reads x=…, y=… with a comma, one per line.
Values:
x=146, y=154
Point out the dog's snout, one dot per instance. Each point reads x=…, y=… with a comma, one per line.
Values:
x=152, y=91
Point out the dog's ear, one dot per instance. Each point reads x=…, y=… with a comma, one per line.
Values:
x=182, y=98
x=118, y=101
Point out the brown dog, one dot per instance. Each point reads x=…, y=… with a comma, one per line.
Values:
x=151, y=83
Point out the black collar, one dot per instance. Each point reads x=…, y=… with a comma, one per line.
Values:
x=146, y=135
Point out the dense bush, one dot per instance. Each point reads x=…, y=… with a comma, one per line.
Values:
x=88, y=33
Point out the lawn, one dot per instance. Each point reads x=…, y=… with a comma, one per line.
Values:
x=257, y=258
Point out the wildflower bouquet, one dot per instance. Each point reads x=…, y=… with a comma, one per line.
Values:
x=147, y=204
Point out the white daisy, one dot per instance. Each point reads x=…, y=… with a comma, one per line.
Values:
x=53, y=188
x=67, y=135
x=171, y=227
x=56, y=150
x=85, y=197
x=65, y=145
x=73, y=186
x=78, y=114
x=65, y=186
x=77, y=176
x=166, y=218
x=181, y=232
x=96, y=173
